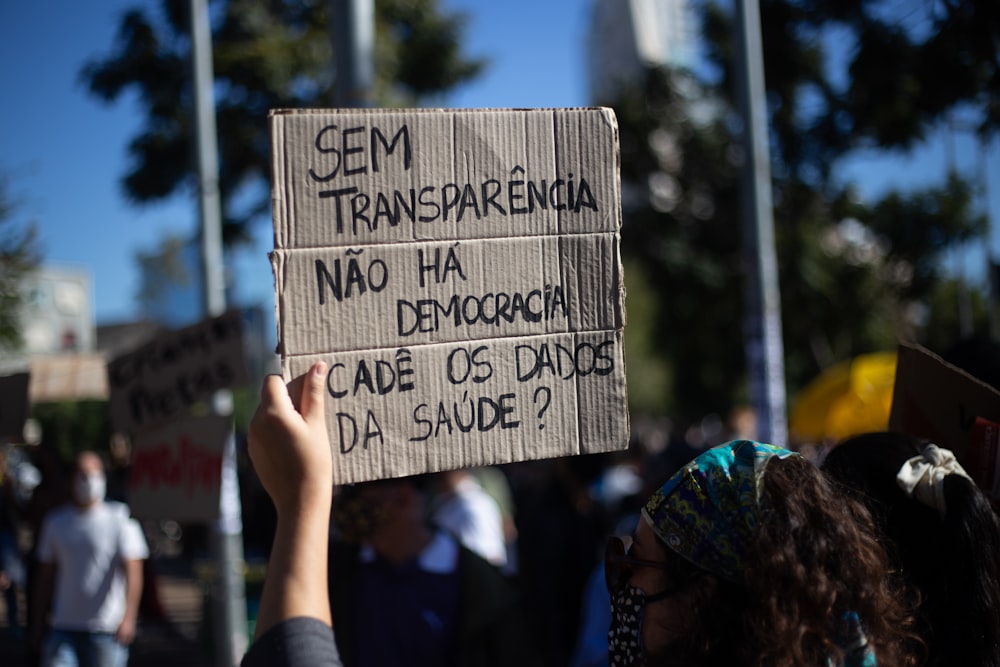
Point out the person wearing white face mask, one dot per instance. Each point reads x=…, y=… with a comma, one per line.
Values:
x=91, y=553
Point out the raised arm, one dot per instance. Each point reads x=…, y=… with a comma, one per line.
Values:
x=290, y=451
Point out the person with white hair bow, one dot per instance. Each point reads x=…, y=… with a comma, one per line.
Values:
x=943, y=532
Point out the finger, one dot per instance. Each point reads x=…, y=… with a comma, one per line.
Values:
x=295, y=391
x=273, y=392
x=312, y=402
x=273, y=397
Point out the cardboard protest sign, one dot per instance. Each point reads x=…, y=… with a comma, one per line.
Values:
x=933, y=399
x=13, y=406
x=982, y=459
x=165, y=377
x=459, y=272
x=77, y=376
x=177, y=469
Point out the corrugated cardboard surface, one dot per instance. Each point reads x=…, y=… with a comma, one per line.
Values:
x=935, y=400
x=410, y=242
x=511, y=287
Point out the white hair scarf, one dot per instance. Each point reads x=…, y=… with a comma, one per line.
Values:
x=922, y=477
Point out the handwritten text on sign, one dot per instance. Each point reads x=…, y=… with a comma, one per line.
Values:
x=177, y=470
x=459, y=272
x=168, y=375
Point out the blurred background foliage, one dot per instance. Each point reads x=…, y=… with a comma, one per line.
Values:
x=20, y=254
x=268, y=54
x=855, y=276
x=842, y=76
x=73, y=426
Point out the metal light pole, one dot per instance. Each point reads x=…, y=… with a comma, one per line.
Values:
x=992, y=278
x=763, y=340
x=229, y=609
x=352, y=29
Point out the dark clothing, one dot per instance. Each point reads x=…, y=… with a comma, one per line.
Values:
x=417, y=628
x=560, y=545
x=488, y=628
x=298, y=642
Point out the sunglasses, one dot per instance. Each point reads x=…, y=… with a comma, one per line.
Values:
x=618, y=566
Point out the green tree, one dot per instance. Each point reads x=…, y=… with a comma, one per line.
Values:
x=854, y=275
x=267, y=54
x=19, y=256
x=849, y=74
x=163, y=270
x=679, y=201
x=70, y=427
x=873, y=75
x=952, y=299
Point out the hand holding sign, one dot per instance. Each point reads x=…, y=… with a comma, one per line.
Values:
x=289, y=447
x=291, y=454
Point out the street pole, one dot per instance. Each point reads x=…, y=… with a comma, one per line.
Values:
x=353, y=33
x=992, y=279
x=762, y=317
x=228, y=593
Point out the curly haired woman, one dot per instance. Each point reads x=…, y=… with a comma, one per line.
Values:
x=749, y=556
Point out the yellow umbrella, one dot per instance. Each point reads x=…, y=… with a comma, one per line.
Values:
x=846, y=399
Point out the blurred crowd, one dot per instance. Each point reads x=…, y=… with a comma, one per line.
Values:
x=509, y=565
x=541, y=524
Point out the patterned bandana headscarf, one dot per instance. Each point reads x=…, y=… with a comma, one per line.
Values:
x=707, y=511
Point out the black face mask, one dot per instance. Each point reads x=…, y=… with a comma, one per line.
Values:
x=625, y=634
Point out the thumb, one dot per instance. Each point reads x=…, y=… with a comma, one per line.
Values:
x=312, y=404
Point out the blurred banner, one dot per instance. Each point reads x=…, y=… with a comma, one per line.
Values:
x=846, y=399
x=13, y=406
x=177, y=470
x=168, y=375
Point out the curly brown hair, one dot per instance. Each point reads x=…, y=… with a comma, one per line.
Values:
x=815, y=559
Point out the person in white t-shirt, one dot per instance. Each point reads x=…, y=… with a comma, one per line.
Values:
x=461, y=507
x=90, y=554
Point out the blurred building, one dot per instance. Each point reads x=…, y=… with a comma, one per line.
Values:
x=59, y=337
x=628, y=36
x=58, y=311
x=66, y=353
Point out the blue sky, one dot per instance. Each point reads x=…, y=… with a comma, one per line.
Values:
x=65, y=151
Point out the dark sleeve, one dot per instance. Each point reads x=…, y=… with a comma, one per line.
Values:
x=297, y=642
x=493, y=631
